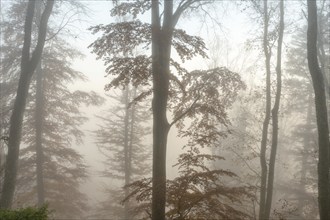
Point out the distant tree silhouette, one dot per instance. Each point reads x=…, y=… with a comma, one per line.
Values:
x=122, y=138
x=29, y=61
x=49, y=168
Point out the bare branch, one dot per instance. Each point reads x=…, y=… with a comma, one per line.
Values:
x=246, y=163
x=184, y=5
x=62, y=26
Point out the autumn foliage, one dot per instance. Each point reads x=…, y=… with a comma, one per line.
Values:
x=197, y=193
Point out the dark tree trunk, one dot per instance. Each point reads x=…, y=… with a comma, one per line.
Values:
x=263, y=146
x=321, y=112
x=161, y=51
x=321, y=54
x=275, y=110
x=28, y=65
x=39, y=117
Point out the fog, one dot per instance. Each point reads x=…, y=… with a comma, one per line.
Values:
x=226, y=72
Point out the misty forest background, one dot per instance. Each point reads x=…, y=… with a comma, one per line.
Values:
x=182, y=109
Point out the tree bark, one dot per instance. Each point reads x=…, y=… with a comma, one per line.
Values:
x=28, y=66
x=321, y=112
x=275, y=110
x=161, y=51
x=263, y=146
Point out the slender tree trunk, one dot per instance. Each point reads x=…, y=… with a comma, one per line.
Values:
x=321, y=112
x=39, y=116
x=161, y=51
x=13, y=144
x=275, y=110
x=132, y=136
x=323, y=58
x=322, y=55
x=263, y=146
x=305, y=155
x=130, y=148
x=28, y=65
x=126, y=150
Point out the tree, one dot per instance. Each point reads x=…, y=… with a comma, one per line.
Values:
x=298, y=87
x=29, y=63
x=268, y=39
x=321, y=112
x=275, y=112
x=322, y=43
x=263, y=147
x=162, y=36
x=63, y=168
x=8, y=85
x=39, y=102
x=122, y=138
x=203, y=96
x=50, y=129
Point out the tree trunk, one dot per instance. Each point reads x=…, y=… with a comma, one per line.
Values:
x=263, y=146
x=304, y=160
x=322, y=55
x=321, y=112
x=161, y=51
x=275, y=110
x=39, y=117
x=126, y=150
x=28, y=65
x=131, y=136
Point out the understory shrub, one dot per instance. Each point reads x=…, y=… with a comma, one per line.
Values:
x=29, y=213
